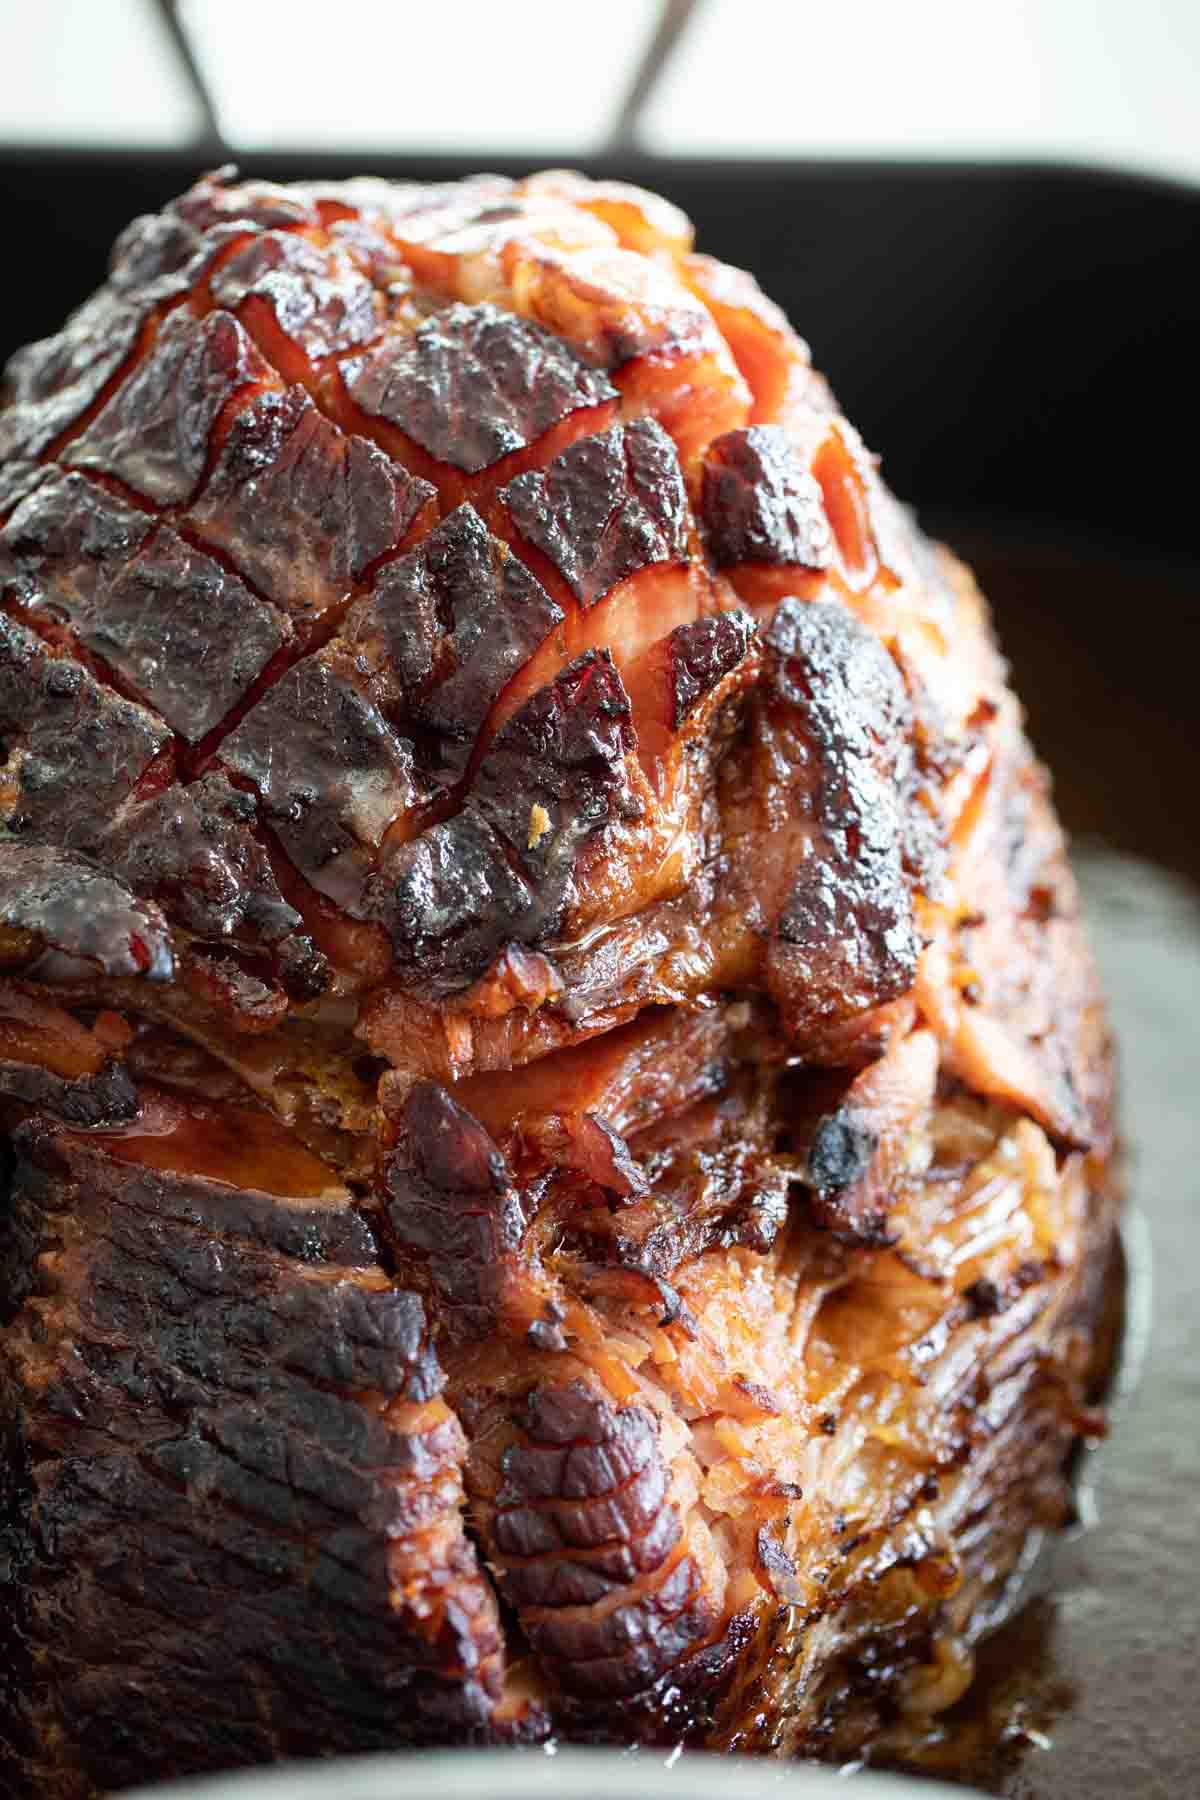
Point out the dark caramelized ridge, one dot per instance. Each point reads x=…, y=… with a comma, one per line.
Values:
x=560, y=1109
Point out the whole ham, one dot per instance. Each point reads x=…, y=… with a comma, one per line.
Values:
x=560, y=1160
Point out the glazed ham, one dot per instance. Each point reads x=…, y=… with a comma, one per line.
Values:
x=561, y=1158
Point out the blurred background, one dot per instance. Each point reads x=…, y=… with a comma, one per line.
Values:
x=983, y=214
x=1102, y=82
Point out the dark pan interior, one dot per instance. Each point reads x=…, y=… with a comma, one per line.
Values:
x=1021, y=343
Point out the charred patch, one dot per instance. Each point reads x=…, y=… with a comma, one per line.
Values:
x=448, y=900
x=79, y=920
x=63, y=542
x=565, y=751
x=187, y=636
x=154, y=433
x=446, y=627
x=845, y=941
x=852, y=1135
x=67, y=528
x=75, y=750
x=700, y=655
x=243, y=1461
x=301, y=508
x=606, y=507
x=710, y=1180
x=761, y=505
x=842, y=1148
x=181, y=632
x=452, y=1206
x=51, y=384
x=988, y=1299
x=154, y=251
x=841, y=1197
x=220, y=199
x=346, y=777
x=451, y=898
x=194, y=850
x=316, y=299
x=105, y=1098
x=473, y=384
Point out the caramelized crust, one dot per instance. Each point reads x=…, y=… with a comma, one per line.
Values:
x=444, y=628
x=192, y=848
x=153, y=435
x=243, y=1456
x=52, y=385
x=595, y=1557
x=761, y=505
x=557, y=777
x=451, y=1204
x=696, y=658
x=60, y=915
x=179, y=632
x=845, y=940
x=304, y=303
x=56, y=718
x=347, y=777
x=606, y=507
x=473, y=384
x=561, y=1113
x=301, y=509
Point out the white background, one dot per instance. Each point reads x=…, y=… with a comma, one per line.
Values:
x=1111, y=81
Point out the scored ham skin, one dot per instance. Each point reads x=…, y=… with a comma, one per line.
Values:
x=560, y=1115
x=313, y=1494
